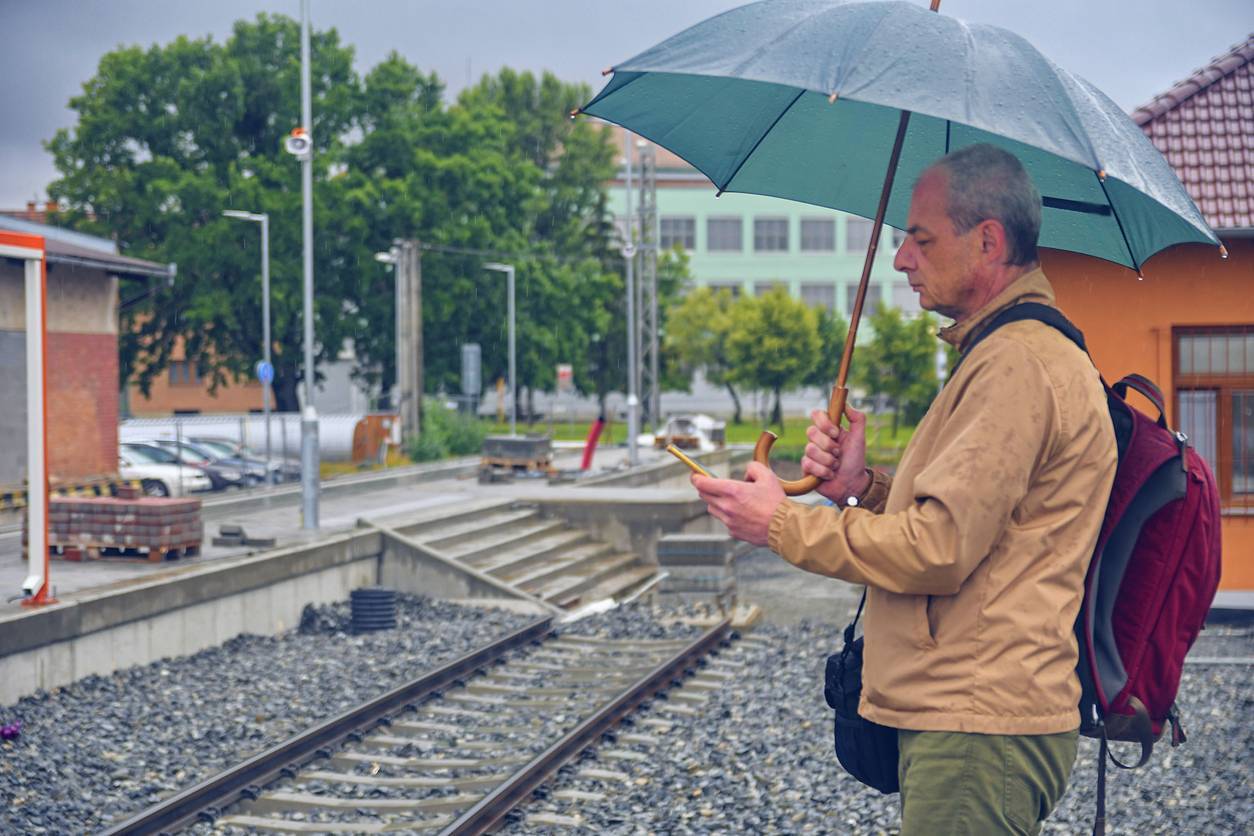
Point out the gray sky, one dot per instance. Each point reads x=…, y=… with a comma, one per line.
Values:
x=1132, y=49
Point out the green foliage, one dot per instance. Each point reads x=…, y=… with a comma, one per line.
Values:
x=169, y=136
x=900, y=362
x=446, y=433
x=774, y=343
x=832, y=332
x=698, y=327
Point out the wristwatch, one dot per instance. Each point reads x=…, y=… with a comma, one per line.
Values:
x=855, y=499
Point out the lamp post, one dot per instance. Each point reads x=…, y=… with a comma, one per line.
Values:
x=508, y=270
x=309, y=417
x=629, y=259
x=265, y=373
x=393, y=257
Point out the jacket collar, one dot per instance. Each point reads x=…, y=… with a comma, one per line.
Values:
x=1030, y=287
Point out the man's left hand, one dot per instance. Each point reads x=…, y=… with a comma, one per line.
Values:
x=744, y=507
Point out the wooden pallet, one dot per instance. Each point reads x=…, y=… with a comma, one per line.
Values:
x=146, y=554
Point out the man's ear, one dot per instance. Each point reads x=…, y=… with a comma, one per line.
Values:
x=993, y=241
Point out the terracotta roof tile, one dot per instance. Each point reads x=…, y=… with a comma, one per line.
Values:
x=1204, y=126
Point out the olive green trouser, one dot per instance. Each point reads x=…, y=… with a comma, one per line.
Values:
x=955, y=783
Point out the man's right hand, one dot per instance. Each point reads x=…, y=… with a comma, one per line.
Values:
x=837, y=456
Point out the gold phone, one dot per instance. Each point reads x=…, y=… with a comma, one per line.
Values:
x=679, y=454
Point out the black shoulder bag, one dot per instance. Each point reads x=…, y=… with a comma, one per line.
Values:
x=867, y=751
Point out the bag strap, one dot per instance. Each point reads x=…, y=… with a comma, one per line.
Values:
x=1026, y=310
x=849, y=630
x=1099, y=819
x=1146, y=387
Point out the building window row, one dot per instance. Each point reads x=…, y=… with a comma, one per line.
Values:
x=824, y=294
x=184, y=373
x=725, y=234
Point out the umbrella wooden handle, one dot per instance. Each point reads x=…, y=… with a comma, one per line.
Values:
x=762, y=450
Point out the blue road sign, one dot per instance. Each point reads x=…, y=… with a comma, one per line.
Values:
x=265, y=372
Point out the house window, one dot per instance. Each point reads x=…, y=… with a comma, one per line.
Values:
x=770, y=235
x=905, y=298
x=762, y=288
x=678, y=229
x=872, y=298
x=184, y=373
x=857, y=235
x=724, y=235
x=1215, y=404
x=818, y=295
x=733, y=288
x=818, y=235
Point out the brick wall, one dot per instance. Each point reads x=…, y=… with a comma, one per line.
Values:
x=82, y=405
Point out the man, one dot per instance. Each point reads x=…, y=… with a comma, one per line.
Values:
x=974, y=554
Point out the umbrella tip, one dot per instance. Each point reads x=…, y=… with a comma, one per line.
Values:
x=1101, y=175
x=575, y=112
x=1223, y=251
x=832, y=98
x=607, y=71
x=719, y=193
x=1140, y=277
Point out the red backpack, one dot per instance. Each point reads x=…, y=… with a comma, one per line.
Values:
x=1153, y=576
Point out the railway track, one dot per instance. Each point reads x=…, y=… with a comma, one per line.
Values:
x=453, y=751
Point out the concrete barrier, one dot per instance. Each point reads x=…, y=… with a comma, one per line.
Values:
x=180, y=612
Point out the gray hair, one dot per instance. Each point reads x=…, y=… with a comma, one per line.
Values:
x=988, y=183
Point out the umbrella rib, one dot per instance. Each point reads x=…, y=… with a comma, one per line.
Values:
x=1101, y=182
x=765, y=133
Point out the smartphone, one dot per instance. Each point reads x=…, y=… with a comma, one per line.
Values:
x=679, y=454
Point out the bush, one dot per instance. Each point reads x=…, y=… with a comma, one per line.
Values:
x=446, y=433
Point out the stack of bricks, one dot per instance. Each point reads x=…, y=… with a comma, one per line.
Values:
x=698, y=567
x=156, y=526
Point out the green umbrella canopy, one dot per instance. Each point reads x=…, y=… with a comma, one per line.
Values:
x=801, y=99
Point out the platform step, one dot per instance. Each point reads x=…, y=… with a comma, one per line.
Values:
x=567, y=586
x=439, y=516
x=572, y=560
x=468, y=529
x=504, y=538
x=509, y=564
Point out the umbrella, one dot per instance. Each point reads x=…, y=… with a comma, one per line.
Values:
x=843, y=104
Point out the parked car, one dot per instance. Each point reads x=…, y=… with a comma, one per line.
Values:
x=221, y=476
x=254, y=472
x=161, y=479
x=281, y=470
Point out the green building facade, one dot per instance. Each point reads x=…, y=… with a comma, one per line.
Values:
x=750, y=243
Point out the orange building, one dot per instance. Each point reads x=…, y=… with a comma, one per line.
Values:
x=1189, y=323
x=180, y=390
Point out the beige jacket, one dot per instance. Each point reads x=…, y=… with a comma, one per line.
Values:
x=976, y=564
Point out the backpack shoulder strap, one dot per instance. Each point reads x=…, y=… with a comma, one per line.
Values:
x=1026, y=310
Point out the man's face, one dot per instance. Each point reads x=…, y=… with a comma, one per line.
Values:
x=939, y=263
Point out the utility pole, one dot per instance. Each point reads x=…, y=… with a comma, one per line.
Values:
x=629, y=257
x=406, y=260
x=309, y=458
x=508, y=270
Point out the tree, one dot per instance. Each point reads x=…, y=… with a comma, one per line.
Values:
x=774, y=344
x=698, y=329
x=168, y=137
x=832, y=332
x=900, y=362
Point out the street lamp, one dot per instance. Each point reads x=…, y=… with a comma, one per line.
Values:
x=508, y=270
x=265, y=370
x=393, y=257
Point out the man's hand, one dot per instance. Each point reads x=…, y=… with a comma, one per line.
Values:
x=837, y=456
x=744, y=507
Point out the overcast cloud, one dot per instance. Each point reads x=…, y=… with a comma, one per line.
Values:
x=1132, y=49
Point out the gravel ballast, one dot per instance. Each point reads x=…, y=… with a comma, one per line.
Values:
x=759, y=759
x=106, y=747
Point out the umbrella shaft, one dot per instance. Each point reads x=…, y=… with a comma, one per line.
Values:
x=855, y=316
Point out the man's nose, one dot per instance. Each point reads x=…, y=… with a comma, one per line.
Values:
x=903, y=261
